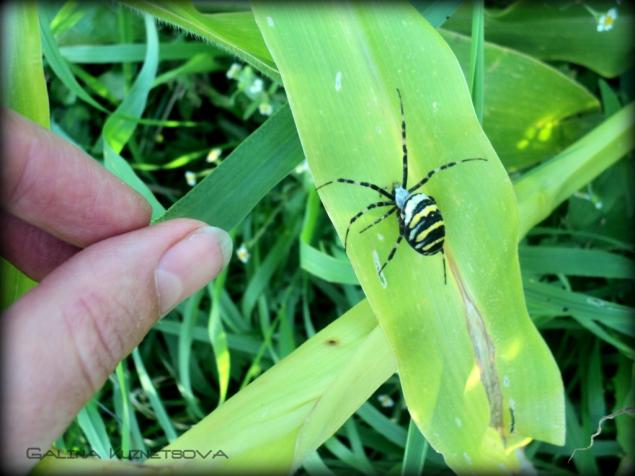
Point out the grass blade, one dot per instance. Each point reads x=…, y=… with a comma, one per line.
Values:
x=415, y=454
x=121, y=125
x=92, y=425
x=477, y=60
x=317, y=41
x=547, y=186
x=153, y=396
x=218, y=337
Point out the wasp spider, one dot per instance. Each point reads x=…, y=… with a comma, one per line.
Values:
x=419, y=217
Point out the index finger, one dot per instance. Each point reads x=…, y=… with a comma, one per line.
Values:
x=55, y=186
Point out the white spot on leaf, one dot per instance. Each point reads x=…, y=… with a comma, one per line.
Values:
x=270, y=22
x=382, y=278
x=338, y=81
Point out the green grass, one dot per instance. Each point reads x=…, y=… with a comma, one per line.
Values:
x=151, y=101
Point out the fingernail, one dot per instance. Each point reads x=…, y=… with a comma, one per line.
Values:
x=190, y=264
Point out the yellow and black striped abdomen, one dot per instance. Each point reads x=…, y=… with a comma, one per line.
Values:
x=422, y=224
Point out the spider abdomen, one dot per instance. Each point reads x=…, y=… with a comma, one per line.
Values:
x=422, y=224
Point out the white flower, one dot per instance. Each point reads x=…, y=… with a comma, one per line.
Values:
x=256, y=86
x=233, y=70
x=605, y=22
x=265, y=109
x=213, y=155
x=385, y=401
x=301, y=167
x=190, y=178
x=243, y=253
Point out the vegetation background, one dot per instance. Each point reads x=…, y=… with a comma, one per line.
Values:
x=203, y=102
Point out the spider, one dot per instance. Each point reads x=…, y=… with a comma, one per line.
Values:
x=420, y=220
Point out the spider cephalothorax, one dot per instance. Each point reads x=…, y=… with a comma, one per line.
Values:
x=420, y=220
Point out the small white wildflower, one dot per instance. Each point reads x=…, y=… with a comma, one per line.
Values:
x=265, y=109
x=385, y=401
x=302, y=167
x=243, y=253
x=213, y=155
x=234, y=70
x=606, y=21
x=256, y=86
x=190, y=178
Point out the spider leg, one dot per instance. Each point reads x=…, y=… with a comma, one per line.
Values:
x=359, y=214
x=381, y=218
x=404, y=147
x=439, y=169
x=391, y=254
x=372, y=186
x=445, y=277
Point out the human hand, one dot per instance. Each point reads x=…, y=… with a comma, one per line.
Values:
x=106, y=277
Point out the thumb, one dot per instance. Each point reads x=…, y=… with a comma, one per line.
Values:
x=64, y=338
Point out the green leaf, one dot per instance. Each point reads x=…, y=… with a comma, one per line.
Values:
x=59, y=65
x=258, y=164
x=233, y=32
x=441, y=334
x=558, y=30
x=548, y=185
x=24, y=87
x=437, y=12
x=190, y=316
x=153, y=396
x=122, y=123
x=24, y=91
x=92, y=425
x=274, y=426
x=415, y=453
x=575, y=262
x=529, y=104
x=131, y=52
x=529, y=107
x=477, y=60
x=218, y=336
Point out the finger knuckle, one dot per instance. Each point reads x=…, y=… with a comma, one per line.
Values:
x=97, y=340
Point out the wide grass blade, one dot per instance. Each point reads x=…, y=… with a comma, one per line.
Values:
x=234, y=32
x=531, y=109
x=549, y=184
x=558, y=30
x=24, y=91
x=575, y=262
x=258, y=164
x=463, y=369
x=274, y=427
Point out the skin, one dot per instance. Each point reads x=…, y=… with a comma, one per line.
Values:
x=105, y=275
